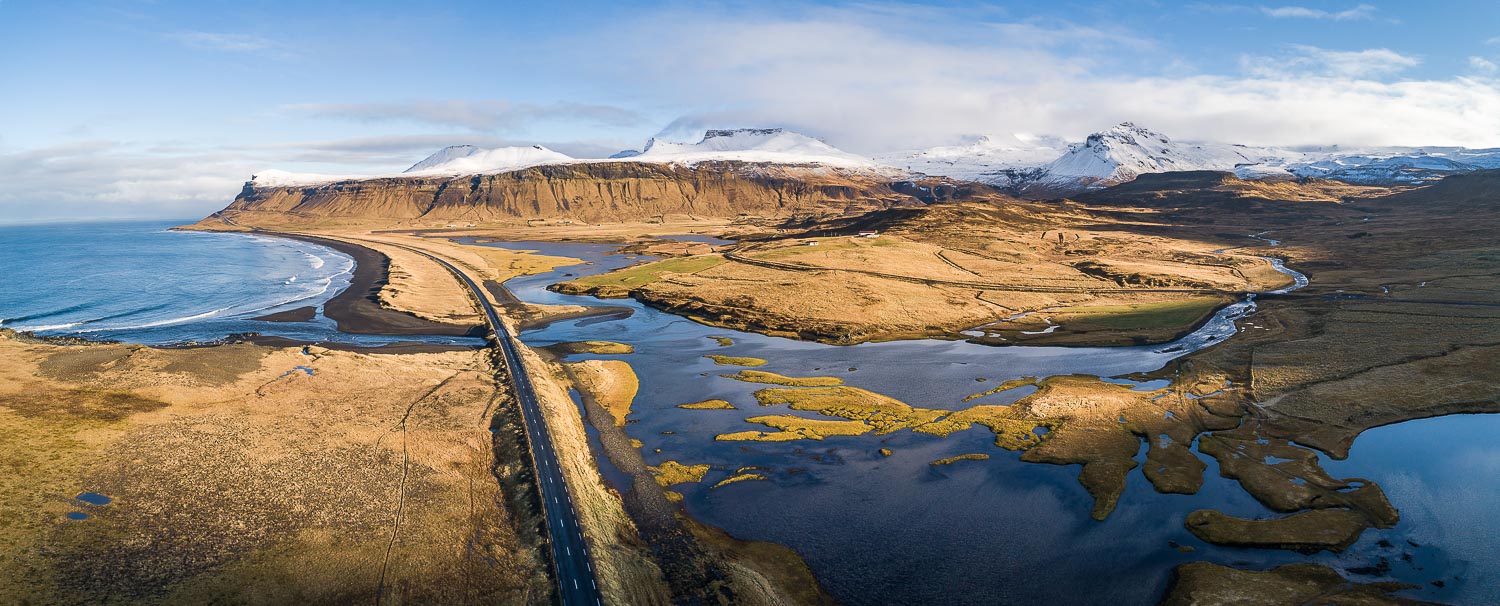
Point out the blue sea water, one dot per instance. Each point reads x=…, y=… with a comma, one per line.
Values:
x=140, y=282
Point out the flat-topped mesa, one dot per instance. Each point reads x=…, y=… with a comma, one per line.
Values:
x=767, y=173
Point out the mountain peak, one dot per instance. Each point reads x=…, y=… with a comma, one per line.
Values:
x=1129, y=134
x=444, y=155
x=471, y=160
x=769, y=145
x=740, y=132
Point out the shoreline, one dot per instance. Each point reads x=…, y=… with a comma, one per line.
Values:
x=357, y=310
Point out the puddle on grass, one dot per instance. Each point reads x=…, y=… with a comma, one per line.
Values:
x=94, y=498
x=77, y=516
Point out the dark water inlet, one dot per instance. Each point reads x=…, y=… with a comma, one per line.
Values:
x=881, y=529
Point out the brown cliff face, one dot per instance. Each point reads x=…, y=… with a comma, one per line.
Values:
x=593, y=193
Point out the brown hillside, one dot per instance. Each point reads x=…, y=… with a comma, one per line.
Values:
x=589, y=193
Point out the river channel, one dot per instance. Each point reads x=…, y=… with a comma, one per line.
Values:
x=896, y=530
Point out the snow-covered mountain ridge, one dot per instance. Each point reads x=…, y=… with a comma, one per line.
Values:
x=757, y=146
x=1024, y=165
x=1121, y=153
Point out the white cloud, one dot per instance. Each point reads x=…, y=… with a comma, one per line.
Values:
x=870, y=82
x=179, y=180
x=480, y=116
x=1303, y=59
x=1483, y=65
x=873, y=86
x=234, y=43
x=103, y=179
x=1063, y=35
x=1363, y=11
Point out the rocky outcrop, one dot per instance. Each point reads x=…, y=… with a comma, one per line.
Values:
x=590, y=192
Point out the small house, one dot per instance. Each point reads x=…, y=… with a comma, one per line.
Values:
x=869, y=234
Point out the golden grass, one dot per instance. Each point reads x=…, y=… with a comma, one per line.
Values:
x=714, y=404
x=1138, y=316
x=883, y=413
x=722, y=341
x=795, y=428
x=612, y=383
x=640, y=275
x=743, y=477
x=760, y=376
x=963, y=457
x=1006, y=386
x=1010, y=433
x=735, y=360
x=592, y=347
x=295, y=459
x=671, y=472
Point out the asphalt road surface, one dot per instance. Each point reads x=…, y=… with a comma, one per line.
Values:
x=576, y=583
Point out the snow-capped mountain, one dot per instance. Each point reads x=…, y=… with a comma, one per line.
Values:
x=772, y=145
x=470, y=160
x=754, y=145
x=1044, y=166
x=1123, y=152
x=987, y=158
x=1119, y=154
x=450, y=161
x=1025, y=165
x=443, y=156
x=1397, y=166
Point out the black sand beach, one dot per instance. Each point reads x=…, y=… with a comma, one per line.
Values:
x=358, y=311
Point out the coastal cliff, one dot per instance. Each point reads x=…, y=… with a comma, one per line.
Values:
x=589, y=192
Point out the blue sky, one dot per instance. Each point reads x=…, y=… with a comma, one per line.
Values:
x=159, y=108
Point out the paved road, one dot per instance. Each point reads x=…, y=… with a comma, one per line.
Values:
x=577, y=585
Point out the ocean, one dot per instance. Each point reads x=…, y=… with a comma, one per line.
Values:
x=140, y=282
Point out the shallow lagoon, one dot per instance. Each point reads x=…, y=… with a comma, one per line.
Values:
x=895, y=529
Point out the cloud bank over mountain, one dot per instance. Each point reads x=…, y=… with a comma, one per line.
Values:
x=372, y=93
